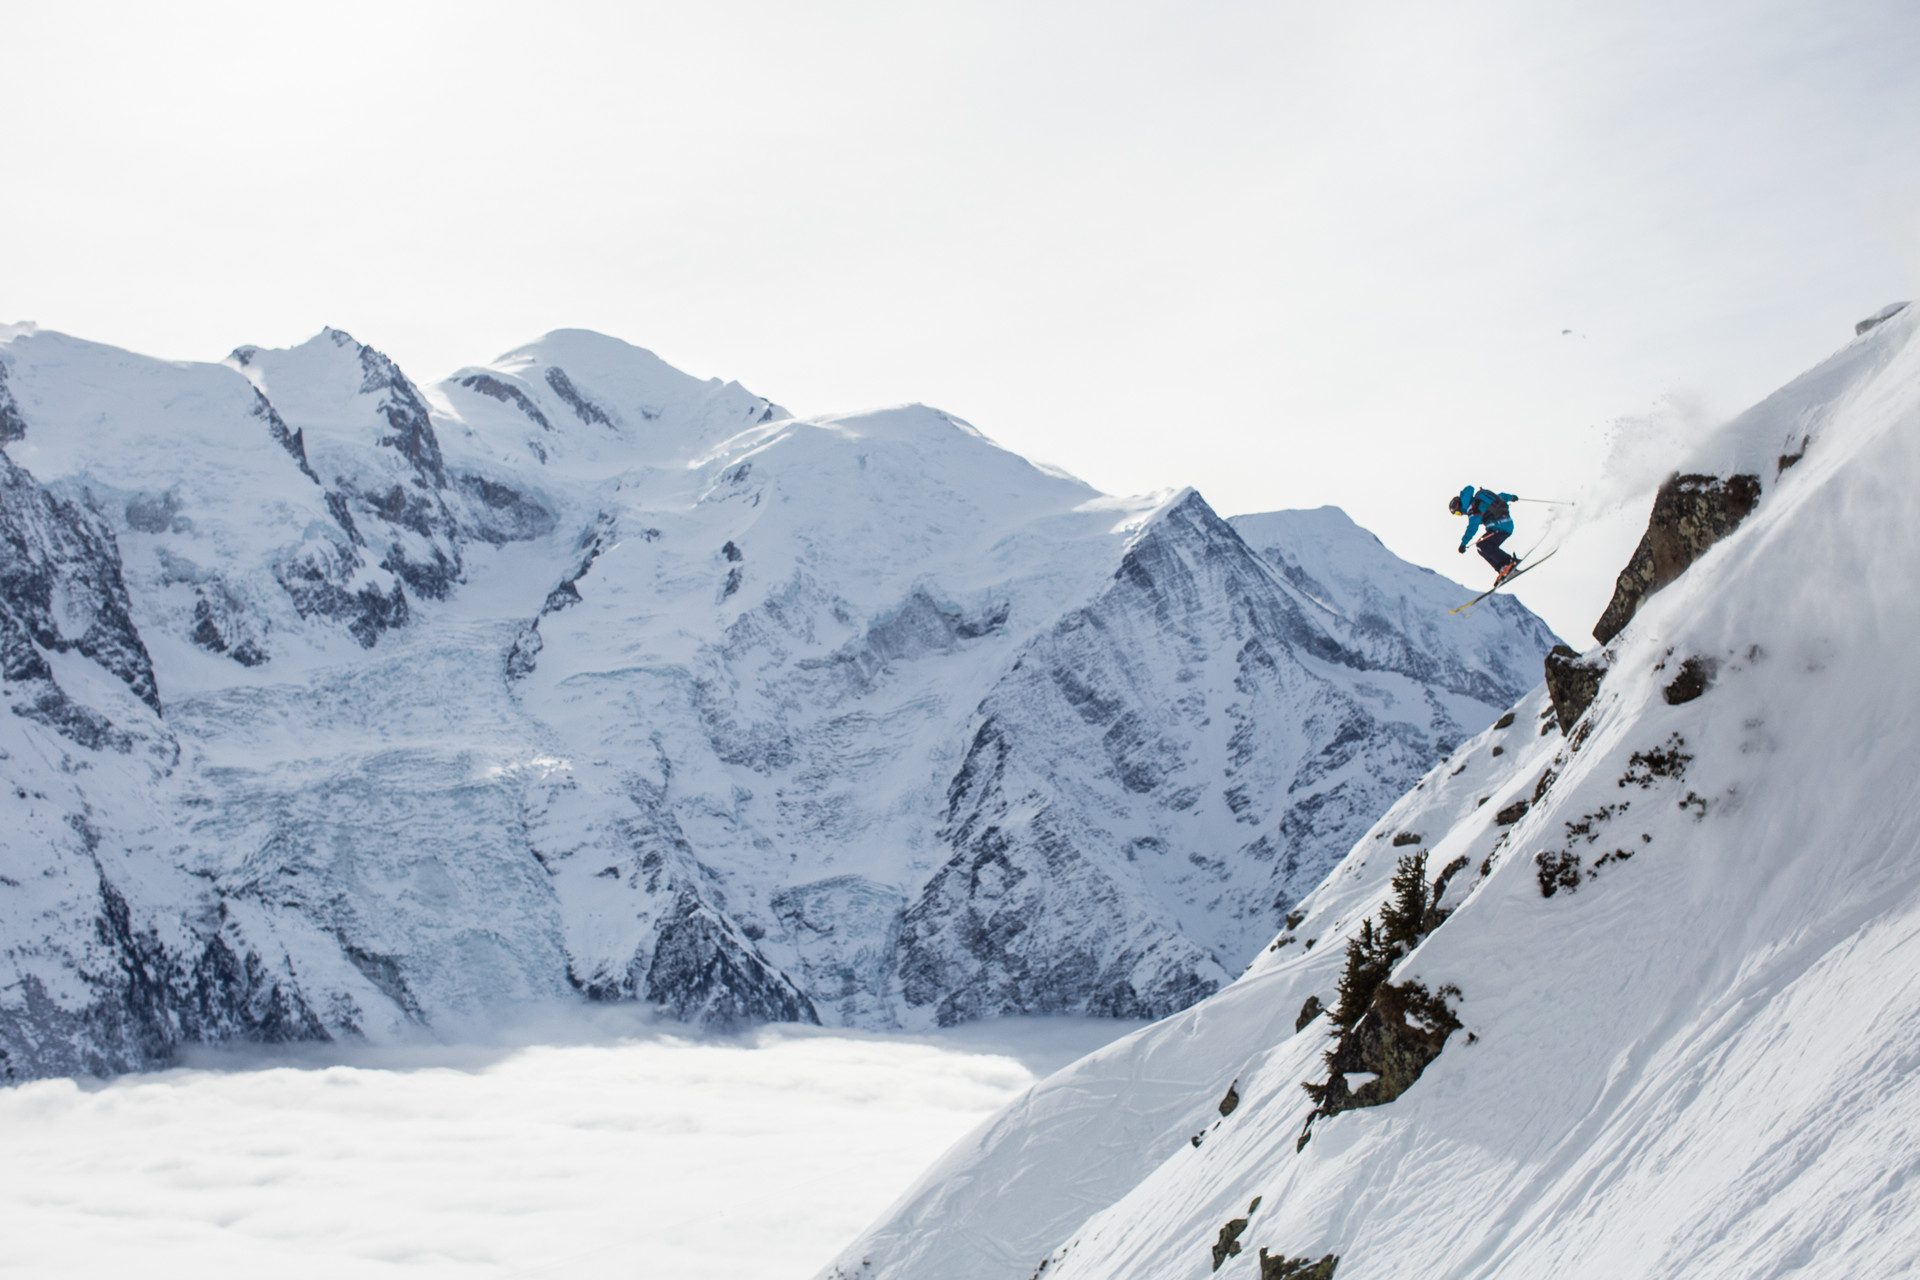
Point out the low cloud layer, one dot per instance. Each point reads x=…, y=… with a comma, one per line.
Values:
x=653, y=1155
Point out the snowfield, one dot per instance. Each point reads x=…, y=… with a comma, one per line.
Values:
x=1683, y=940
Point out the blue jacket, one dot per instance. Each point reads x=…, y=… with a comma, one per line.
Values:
x=1475, y=504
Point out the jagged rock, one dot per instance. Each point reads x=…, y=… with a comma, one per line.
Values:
x=319, y=580
x=587, y=411
x=221, y=624
x=1404, y=1028
x=1695, y=678
x=706, y=972
x=1297, y=1268
x=524, y=655
x=1573, y=681
x=60, y=582
x=12, y=425
x=1690, y=514
x=151, y=1001
x=1879, y=318
x=1390, y=1031
x=984, y=938
x=499, y=514
x=1309, y=1010
x=1228, y=1245
x=294, y=442
x=405, y=412
x=505, y=392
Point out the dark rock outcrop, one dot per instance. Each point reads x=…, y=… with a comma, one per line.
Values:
x=1690, y=514
x=152, y=1001
x=61, y=587
x=12, y=425
x=499, y=513
x=294, y=442
x=584, y=409
x=1879, y=318
x=1695, y=678
x=1573, y=681
x=317, y=579
x=505, y=392
x=405, y=411
x=1388, y=1030
x=1228, y=1243
x=222, y=625
x=707, y=972
x=524, y=654
x=1297, y=1268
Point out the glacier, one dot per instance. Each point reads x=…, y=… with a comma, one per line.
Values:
x=348, y=707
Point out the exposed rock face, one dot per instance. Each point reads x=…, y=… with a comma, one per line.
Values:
x=1388, y=1031
x=1879, y=318
x=60, y=586
x=1029, y=914
x=1696, y=677
x=12, y=425
x=1690, y=514
x=1283, y=1268
x=488, y=385
x=706, y=971
x=1573, y=681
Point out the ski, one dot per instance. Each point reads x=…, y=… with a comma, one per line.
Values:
x=1504, y=582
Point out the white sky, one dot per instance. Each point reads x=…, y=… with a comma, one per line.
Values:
x=1287, y=252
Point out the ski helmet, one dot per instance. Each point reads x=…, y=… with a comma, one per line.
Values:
x=1453, y=504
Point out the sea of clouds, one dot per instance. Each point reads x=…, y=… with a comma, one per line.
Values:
x=629, y=1151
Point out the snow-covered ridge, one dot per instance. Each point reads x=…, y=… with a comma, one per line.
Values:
x=1681, y=936
x=344, y=706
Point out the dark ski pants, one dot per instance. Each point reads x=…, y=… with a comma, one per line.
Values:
x=1489, y=548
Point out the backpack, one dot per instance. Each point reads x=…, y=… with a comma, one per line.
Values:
x=1496, y=507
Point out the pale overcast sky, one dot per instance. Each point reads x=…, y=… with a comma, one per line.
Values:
x=1289, y=253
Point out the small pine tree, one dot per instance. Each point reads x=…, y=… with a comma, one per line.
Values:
x=1402, y=918
x=1369, y=961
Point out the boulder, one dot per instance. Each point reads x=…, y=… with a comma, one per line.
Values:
x=1690, y=514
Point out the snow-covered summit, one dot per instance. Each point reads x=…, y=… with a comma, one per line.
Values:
x=580, y=402
x=1666, y=959
x=346, y=706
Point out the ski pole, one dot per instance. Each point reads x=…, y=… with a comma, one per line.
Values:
x=1551, y=502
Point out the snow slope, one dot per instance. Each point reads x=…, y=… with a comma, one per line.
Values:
x=347, y=707
x=1695, y=1056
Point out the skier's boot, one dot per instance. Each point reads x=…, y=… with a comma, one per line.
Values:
x=1513, y=567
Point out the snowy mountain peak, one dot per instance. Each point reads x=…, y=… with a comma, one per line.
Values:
x=579, y=398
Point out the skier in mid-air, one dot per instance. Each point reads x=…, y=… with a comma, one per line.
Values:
x=1485, y=508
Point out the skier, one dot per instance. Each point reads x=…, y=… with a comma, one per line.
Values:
x=1485, y=507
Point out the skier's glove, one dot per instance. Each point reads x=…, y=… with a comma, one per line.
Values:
x=1462, y=548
